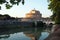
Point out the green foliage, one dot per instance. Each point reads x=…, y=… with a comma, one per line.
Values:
x=53, y=16
x=55, y=7
x=15, y=2
x=57, y=18
x=10, y=4
x=2, y=1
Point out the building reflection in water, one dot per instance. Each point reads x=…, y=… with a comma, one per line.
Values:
x=27, y=32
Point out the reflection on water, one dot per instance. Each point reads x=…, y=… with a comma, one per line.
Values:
x=16, y=36
x=43, y=35
x=23, y=34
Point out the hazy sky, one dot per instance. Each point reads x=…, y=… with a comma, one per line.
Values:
x=21, y=10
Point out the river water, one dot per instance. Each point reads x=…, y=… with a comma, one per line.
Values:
x=24, y=34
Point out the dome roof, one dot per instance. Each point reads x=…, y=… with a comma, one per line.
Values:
x=34, y=12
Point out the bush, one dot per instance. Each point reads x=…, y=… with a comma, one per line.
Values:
x=40, y=24
x=57, y=20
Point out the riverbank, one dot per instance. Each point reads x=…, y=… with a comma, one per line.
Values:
x=55, y=35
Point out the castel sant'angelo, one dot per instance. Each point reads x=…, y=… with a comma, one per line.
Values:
x=34, y=15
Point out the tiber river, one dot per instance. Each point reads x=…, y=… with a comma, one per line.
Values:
x=24, y=34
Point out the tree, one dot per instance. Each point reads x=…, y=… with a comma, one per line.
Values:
x=6, y=17
x=53, y=16
x=55, y=8
x=10, y=3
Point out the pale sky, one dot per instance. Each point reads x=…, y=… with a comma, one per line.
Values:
x=21, y=10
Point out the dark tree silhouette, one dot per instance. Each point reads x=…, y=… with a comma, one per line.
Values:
x=55, y=8
x=10, y=3
x=6, y=17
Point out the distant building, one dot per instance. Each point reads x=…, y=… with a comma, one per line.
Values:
x=33, y=15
